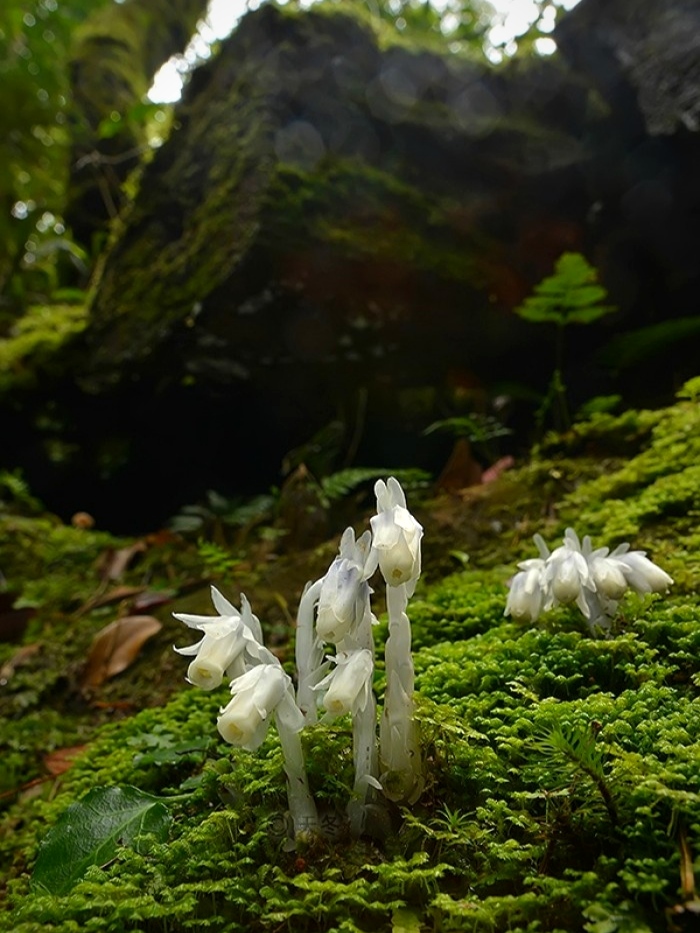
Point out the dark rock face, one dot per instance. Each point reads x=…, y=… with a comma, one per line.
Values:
x=651, y=48
x=335, y=231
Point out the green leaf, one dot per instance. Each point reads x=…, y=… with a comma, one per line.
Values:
x=571, y=295
x=404, y=920
x=91, y=831
x=633, y=348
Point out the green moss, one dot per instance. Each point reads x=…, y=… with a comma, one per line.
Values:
x=35, y=340
x=365, y=211
x=561, y=768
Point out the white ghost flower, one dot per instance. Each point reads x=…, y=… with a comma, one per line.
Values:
x=221, y=653
x=527, y=591
x=396, y=536
x=350, y=682
x=607, y=574
x=344, y=589
x=595, y=579
x=257, y=694
x=567, y=573
x=642, y=574
x=215, y=656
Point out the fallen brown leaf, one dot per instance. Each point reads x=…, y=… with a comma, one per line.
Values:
x=116, y=646
x=114, y=595
x=149, y=599
x=461, y=470
x=62, y=759
x=115, y=561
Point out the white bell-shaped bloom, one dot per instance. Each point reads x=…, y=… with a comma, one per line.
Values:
x=230, y=640
x=527, y=590
x=567, y=573
x=396, y=536
x=257, y=694
x=350, y=682
x=607, y=574
x=642, y=574
x=217, y=654
x=344, y=590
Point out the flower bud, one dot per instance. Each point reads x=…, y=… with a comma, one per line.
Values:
x=396, y=535
x=643, y=575
x=349, y=683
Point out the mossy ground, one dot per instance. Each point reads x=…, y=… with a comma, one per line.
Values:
x=562, y=768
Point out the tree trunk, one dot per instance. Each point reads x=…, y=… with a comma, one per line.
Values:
x=116, y=53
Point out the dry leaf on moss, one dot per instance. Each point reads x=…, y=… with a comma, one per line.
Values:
x=60, y=760
x=116, y=647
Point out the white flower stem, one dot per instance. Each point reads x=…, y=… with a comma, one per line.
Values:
x=308, y=652
x=399, y=748
x=301, y=804
x=364, y=738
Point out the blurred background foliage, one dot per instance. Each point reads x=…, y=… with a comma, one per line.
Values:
x=76, y=118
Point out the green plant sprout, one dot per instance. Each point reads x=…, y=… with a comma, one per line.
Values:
x=572, y=295
x=334, y=610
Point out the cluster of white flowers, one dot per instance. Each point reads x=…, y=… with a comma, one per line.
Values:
x=336, y=611
x=232, y=649
x=595, y=580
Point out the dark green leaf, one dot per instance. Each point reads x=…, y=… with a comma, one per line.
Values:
x=91, y=831
x=638, y=346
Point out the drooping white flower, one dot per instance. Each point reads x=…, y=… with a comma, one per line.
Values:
x=217, y=652
x=527, y=590
x=349, y=684
x=607, y=574
x=230, y=639
x=344, y=589
x=567, y=573
x=257, y=694
x=396, y=536
x=595, y=579
x=642, y=574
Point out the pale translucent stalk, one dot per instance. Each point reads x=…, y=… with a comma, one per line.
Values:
x=364, y=738
x=308, y=653
x=301, y=804
x=399, y=746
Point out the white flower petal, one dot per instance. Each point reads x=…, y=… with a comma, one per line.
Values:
x=221, y=604
x=642, y=574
